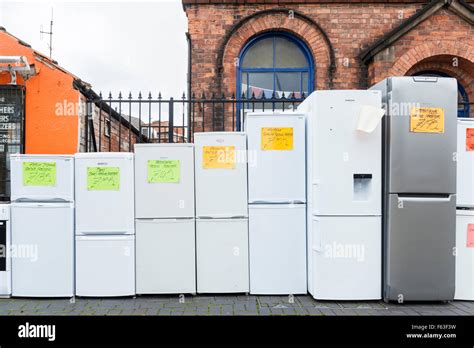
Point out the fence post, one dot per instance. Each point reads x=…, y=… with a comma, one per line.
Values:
x=171, y=121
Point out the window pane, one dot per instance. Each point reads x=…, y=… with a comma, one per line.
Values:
x=260, y=55
x=288, y=83
x=288, y=55
x=261, y=83
x=244, y=89
x=305, y=84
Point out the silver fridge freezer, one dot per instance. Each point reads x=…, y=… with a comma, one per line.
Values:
x=419, y=188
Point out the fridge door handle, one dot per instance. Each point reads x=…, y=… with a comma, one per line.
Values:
x=40, y=198
x=446, y=198
x=100, y=233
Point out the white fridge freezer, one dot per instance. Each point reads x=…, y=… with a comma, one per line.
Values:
x=222, y=255
x=5, y=254
x=464, y=255
x=465, y=163
x=164, y=181
x=277, y=248
x=42, y=178
x=45, y=233
x=105, y=224
x=345, y=257
x=276, y=152
x=166, y=256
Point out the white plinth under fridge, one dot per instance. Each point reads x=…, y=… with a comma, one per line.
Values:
x=42, y=222
x=165, y=224
x=344, y=195
x=5, y=257
x=277, y=197
x=105, y=224
x=221, y=212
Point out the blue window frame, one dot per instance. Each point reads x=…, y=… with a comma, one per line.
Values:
x=275, y=62
x=463, y=110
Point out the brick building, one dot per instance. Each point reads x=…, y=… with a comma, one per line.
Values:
x=256, y=47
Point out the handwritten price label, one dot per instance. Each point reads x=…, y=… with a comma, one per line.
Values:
x=103, y=178
x=470, y=139
x=164, y=171
x=218, y=157
x=277, y=138
x=470, y=235
x=39, y=173
x=427, y=120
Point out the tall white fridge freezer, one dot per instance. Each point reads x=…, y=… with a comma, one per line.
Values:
x=277, y=202
x=221, y=212
x=165, y=224
x=465, y=211
x=5, y=251
x=105, y=224
x=42, y=216
x=344, y=194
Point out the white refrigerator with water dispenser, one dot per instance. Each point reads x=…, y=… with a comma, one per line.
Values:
x=105, y=224
x=344, y=194
x=221, y=212
x=165, y=224
x=277, y=202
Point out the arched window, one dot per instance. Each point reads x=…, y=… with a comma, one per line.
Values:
x=275, y=62
x=463, y=107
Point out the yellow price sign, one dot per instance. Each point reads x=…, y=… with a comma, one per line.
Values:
x=39, y=173
x=277, y=138
x=427, y=120
x=218, y=157
x=103, y=178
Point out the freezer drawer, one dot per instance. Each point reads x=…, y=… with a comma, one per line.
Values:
x=221, y=174
x=465, y=163
x=277, y=157
x=420, y=162
x=42, y=178
x=222, y=255
x=5, y=254
x=346, y=257
x=352, y=162
x=104, y=193
x=44, y=232
x=164, y=180
x=419, y=239
x=166, y=256
x=277, y=239
x=105, y=266
x=464, y=255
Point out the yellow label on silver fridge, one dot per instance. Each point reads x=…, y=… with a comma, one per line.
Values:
x=427, y=120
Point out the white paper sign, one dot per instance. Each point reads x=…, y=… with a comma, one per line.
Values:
x=369, y=118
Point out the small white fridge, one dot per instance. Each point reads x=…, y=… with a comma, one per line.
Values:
x=344, y=182
x=42, y=225
x=221, y=212
x=105, y=224
x=464, y=289
x=277, y=202
x=5, y=251
x=165, y=223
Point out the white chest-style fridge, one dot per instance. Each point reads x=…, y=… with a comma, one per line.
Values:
x=465, y=211
x=221, y=212
x=5, y=251
x=344, y=194
x=105, y=224
x=165, y=224
x=42, y=225
x=277, y=202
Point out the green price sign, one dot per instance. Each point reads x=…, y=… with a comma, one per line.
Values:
x=39, y=173
x=164, y=171
x=103, y=178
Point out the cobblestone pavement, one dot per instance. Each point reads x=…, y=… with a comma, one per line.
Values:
x=224, y=305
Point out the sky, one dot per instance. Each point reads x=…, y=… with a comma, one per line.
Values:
x=120, y=45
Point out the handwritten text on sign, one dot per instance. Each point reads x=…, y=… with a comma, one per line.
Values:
x=103, y=178
x=163, y=171
x=39, y=173
x=427, y=120
x=469, y=139
x=218, y=157
x=277, y=138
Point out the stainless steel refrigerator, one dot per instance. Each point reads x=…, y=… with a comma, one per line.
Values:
x=419, y=188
